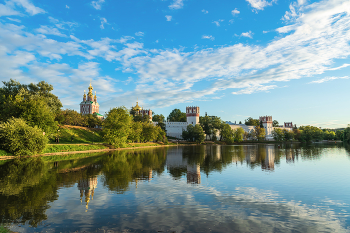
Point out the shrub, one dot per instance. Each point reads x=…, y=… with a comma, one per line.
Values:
x=18, y=138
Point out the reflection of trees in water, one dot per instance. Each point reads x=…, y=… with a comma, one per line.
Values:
x=123, y=167
x=27, y=186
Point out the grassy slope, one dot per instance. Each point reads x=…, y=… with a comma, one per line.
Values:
x=4, y=153
x=76, y=134
x=65, y=148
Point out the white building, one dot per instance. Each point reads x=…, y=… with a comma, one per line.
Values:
x=174, y=129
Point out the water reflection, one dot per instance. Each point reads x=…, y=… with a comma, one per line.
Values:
x=29, y=187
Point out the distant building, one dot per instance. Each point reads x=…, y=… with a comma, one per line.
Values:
x=137, y=110
x=89, y=104
x=174, y=129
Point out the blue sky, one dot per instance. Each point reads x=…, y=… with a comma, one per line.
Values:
x=233, y=59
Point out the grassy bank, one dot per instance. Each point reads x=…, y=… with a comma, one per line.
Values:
x=77, y=134
x=4, y=230
x=65, y=148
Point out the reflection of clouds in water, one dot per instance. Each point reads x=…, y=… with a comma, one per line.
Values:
x=201, y=208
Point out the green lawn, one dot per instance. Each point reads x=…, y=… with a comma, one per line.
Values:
x=77, y=135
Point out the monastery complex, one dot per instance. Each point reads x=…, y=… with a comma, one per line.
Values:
x=89, y=105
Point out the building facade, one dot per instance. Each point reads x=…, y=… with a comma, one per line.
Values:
x=174, y=129
x=89, y=104
x=137, y=110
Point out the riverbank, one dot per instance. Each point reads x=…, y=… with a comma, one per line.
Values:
x=75, y=149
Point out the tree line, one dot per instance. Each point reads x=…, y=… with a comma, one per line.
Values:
x=30, y=114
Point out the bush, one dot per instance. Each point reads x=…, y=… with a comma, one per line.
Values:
x=18, y=138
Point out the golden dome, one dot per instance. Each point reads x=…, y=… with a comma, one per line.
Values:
x=137, y=107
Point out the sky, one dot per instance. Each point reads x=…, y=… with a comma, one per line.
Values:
x=233, y=59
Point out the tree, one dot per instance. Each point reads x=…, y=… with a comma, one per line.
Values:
x=240, y=122
x=239, y=134
x=193, y=134
x=177, y=116
x=117, y=126
x=259, y=132
x=211, y=125
x=310, y=133
x=160, y=119
x=277, y=134
x=226, y=133
x=288, y=135
x=42, y=89
x=275, y=123
x=149, y=132
x=18, y=138
x=251, y=121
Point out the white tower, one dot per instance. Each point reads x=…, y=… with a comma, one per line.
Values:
x=267, y=123
x=192, y=114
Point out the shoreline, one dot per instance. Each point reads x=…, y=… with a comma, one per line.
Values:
x=82, y=152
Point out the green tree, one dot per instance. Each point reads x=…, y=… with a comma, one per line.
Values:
x=288, y=135
x=251, y=121
x=136, y=132
x=18, y=138
x=211, y=125
x=226, y=133
x=239, y=134
x=277, y=134
x=310, y=133
x=259, y=133
x=275, y=123
x=177, y=116
x=194, y=133
x=160, y=119
x=117, y=126
x=149, y=132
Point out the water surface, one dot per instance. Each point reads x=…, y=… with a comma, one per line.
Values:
x=243, y=188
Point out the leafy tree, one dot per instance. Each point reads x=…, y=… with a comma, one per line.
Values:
x=275, y=123
x=177, y=116
x=93, y=120
x=140, y=118
x=259, y=133
x=136, y=132
x=193, y=133
x=251, y=121
x=117, y=126
x=288, y=135
x=211, y=125
x=18, y=138
x=239, y=135
x=149, y=132
x=310, y=133
x=42, y=89
x=226, y=133
x=70, y=117
x=160, y=119
x=240, y=122
x=277, y=134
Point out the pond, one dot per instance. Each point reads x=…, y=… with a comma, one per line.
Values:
x=212, y=188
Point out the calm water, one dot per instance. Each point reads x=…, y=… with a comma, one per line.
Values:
x=243, y=188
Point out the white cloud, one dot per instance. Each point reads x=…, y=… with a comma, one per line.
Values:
x=260, y=4
x=340, y=67
x=139, y=34
x=329, y=79
x=103, y=21
x=29, y=7
x=97, y=4
x=177, y=4
x=67, y=6
x=235, y=12
x=205, y=11
x=9, y=8
x=210, y=37
x=217, y=22
x=168, y=17
x=14, y=20
x=129, y=80
x=247, y=34
x=254, y=88
x=49, y=31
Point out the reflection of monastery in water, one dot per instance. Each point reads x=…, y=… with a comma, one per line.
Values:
x=87, y=189
x=269, y=163
x=175, y=161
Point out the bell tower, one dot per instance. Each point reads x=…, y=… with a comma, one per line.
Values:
x=192, y=114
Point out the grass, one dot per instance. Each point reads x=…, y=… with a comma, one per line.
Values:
x=65, y=148
x=149, y=144
x=4, y=153
x=4, y=230
x=77, y=135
